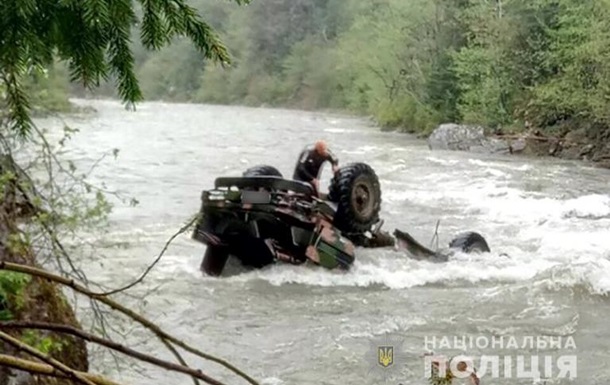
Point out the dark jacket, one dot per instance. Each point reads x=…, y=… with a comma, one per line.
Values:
x=310, y=162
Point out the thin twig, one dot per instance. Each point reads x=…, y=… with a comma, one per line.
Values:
x=66, y=329
x=122, y=309
x=182, y=361
x=51, y=233
x=150, y=267
x=47, y=145
x=435, y=236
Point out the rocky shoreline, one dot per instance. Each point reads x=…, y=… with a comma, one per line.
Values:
x=575, y=145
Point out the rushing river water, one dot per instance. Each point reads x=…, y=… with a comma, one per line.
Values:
x=546, y=221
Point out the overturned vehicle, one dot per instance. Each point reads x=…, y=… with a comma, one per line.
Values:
x=262, y=218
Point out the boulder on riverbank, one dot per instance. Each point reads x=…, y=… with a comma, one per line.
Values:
x=577, y=144
x=589, y=144
x=459, y=137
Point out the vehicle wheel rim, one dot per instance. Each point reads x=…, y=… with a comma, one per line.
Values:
x=362, y=201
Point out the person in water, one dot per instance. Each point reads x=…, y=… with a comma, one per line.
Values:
x=310, y=163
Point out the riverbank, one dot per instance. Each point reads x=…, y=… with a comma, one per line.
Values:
x=585, y=144
x=27, y=300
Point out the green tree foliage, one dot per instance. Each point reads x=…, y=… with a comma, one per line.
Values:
x=483, y=64
x=11, y=288
x=505, y=64
x=541, y=63
x=93, y=36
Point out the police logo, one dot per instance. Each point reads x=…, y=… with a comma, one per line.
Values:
x=386, y=356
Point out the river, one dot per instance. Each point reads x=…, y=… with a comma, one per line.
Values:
x=547, y=222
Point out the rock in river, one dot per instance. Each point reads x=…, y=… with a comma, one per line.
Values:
x=458, y=137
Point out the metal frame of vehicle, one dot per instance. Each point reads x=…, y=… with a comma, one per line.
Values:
x=266, y=218
x=241, y=215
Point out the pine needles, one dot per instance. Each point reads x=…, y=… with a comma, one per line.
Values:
x=94, y=37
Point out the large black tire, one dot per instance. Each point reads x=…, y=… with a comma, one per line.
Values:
x=470, y=242
x=356, y=190
x=214, y=260
x=262, y=170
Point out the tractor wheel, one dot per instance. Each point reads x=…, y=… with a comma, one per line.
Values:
x=470, y=242
x=262, y=170
x=356, y=190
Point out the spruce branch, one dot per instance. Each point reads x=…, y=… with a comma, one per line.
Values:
x=93, y=37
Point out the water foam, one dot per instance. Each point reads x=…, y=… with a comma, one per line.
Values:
x=594, y=206
x=551, y=233
x=272, y=381
x=389, y=324
x=362, y=150
x=530, y=206
x=515, y=167
x=396, y=271
x=339, y=130
x=589, y=273
x=442, y=161
x=554, y=236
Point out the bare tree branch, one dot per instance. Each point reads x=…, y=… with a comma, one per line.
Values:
x=162, y=335
x=183, y=362
x=66, y=329
x=48, y=370
x=54, y=363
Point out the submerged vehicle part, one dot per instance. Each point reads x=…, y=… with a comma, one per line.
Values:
x=470, y=242
x=261, y=218
x=467, y=242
